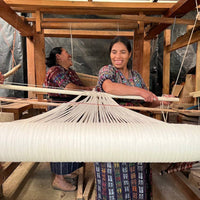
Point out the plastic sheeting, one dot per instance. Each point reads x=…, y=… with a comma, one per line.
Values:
x=10, y=40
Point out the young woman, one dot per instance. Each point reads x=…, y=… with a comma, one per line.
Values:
x=60, y=75
x=123, y=180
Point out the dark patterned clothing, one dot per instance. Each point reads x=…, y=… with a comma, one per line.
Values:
x=122, y=181
x=112, y=73
x=62, y=168
x=59, y=77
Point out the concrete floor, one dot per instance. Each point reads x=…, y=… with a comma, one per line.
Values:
x=38, y=186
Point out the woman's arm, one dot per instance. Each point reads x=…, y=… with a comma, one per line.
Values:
x=121, y=89
x=74, y=86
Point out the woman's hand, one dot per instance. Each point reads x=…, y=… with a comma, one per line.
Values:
x=148, y=96
x=1, y=78
x=167, y=102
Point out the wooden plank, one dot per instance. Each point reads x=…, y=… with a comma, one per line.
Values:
x=179, y=9
x=90, y=7
x=93, y=197
x=38, y=21
x=166, y=62
x=86, y=33
x=7, y=171
x=146, y=62
x=184, y=40
x=14, y=184
x=138, y=52
x=158, y=20
x=39, y=57
x=14, y=20
x=89, y=26
x=191, y=192
x=88, y=188
x=16, y=108
x=80, y=188
x=30, y=65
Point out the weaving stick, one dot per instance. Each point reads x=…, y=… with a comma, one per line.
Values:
x=76, y=92
x=12, y=71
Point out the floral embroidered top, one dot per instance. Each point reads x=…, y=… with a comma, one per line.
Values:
x=112, y=73
x=59, y=77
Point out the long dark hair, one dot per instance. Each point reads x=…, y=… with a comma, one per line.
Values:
x=51, y=60
x=122, y=39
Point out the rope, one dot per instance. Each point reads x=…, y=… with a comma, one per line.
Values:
x=187, y=45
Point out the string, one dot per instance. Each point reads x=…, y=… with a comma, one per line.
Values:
x=71, y=40
x=187, y=47
x=173, y=28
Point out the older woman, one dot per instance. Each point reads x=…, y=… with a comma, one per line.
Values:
x=60, y=75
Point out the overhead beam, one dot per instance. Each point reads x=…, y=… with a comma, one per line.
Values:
x=86, y=34
x=159, y=20
x=88, y=26
x=90, y=7
x=178, y=10
x=14, y=20
x=184, y=39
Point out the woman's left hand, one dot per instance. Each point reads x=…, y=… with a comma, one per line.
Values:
x=168, y=96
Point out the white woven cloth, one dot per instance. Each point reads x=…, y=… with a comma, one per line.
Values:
x=97, y=129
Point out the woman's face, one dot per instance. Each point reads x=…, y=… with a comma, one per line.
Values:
x=64, y=59
x=119, y=55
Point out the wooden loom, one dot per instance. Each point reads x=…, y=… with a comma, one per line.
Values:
x=134, y=15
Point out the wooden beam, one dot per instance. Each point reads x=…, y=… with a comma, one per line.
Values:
x=86, y=34
x=14, y=20
x=30, y=64
x=178, y=10
x=89, y=26
x=138, y=52
x=39, y=57
x=159, y=20
x=38, y=21
x=146, y=62
x=90, y=7
x=183, y=40
x=166, y=62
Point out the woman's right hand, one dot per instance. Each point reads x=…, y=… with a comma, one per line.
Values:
x=148, y=96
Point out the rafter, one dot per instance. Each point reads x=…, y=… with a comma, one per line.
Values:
x=13, y=19
x=75, y=7
x=179, y=9
x=86, y=33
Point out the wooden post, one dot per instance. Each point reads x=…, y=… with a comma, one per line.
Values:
x=141, y=57
x=30, y=64
x=166, y=62
x=146, y=62
x=138, y=52
x=39, y=57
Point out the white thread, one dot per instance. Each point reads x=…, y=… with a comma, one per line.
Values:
x=89, y=130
